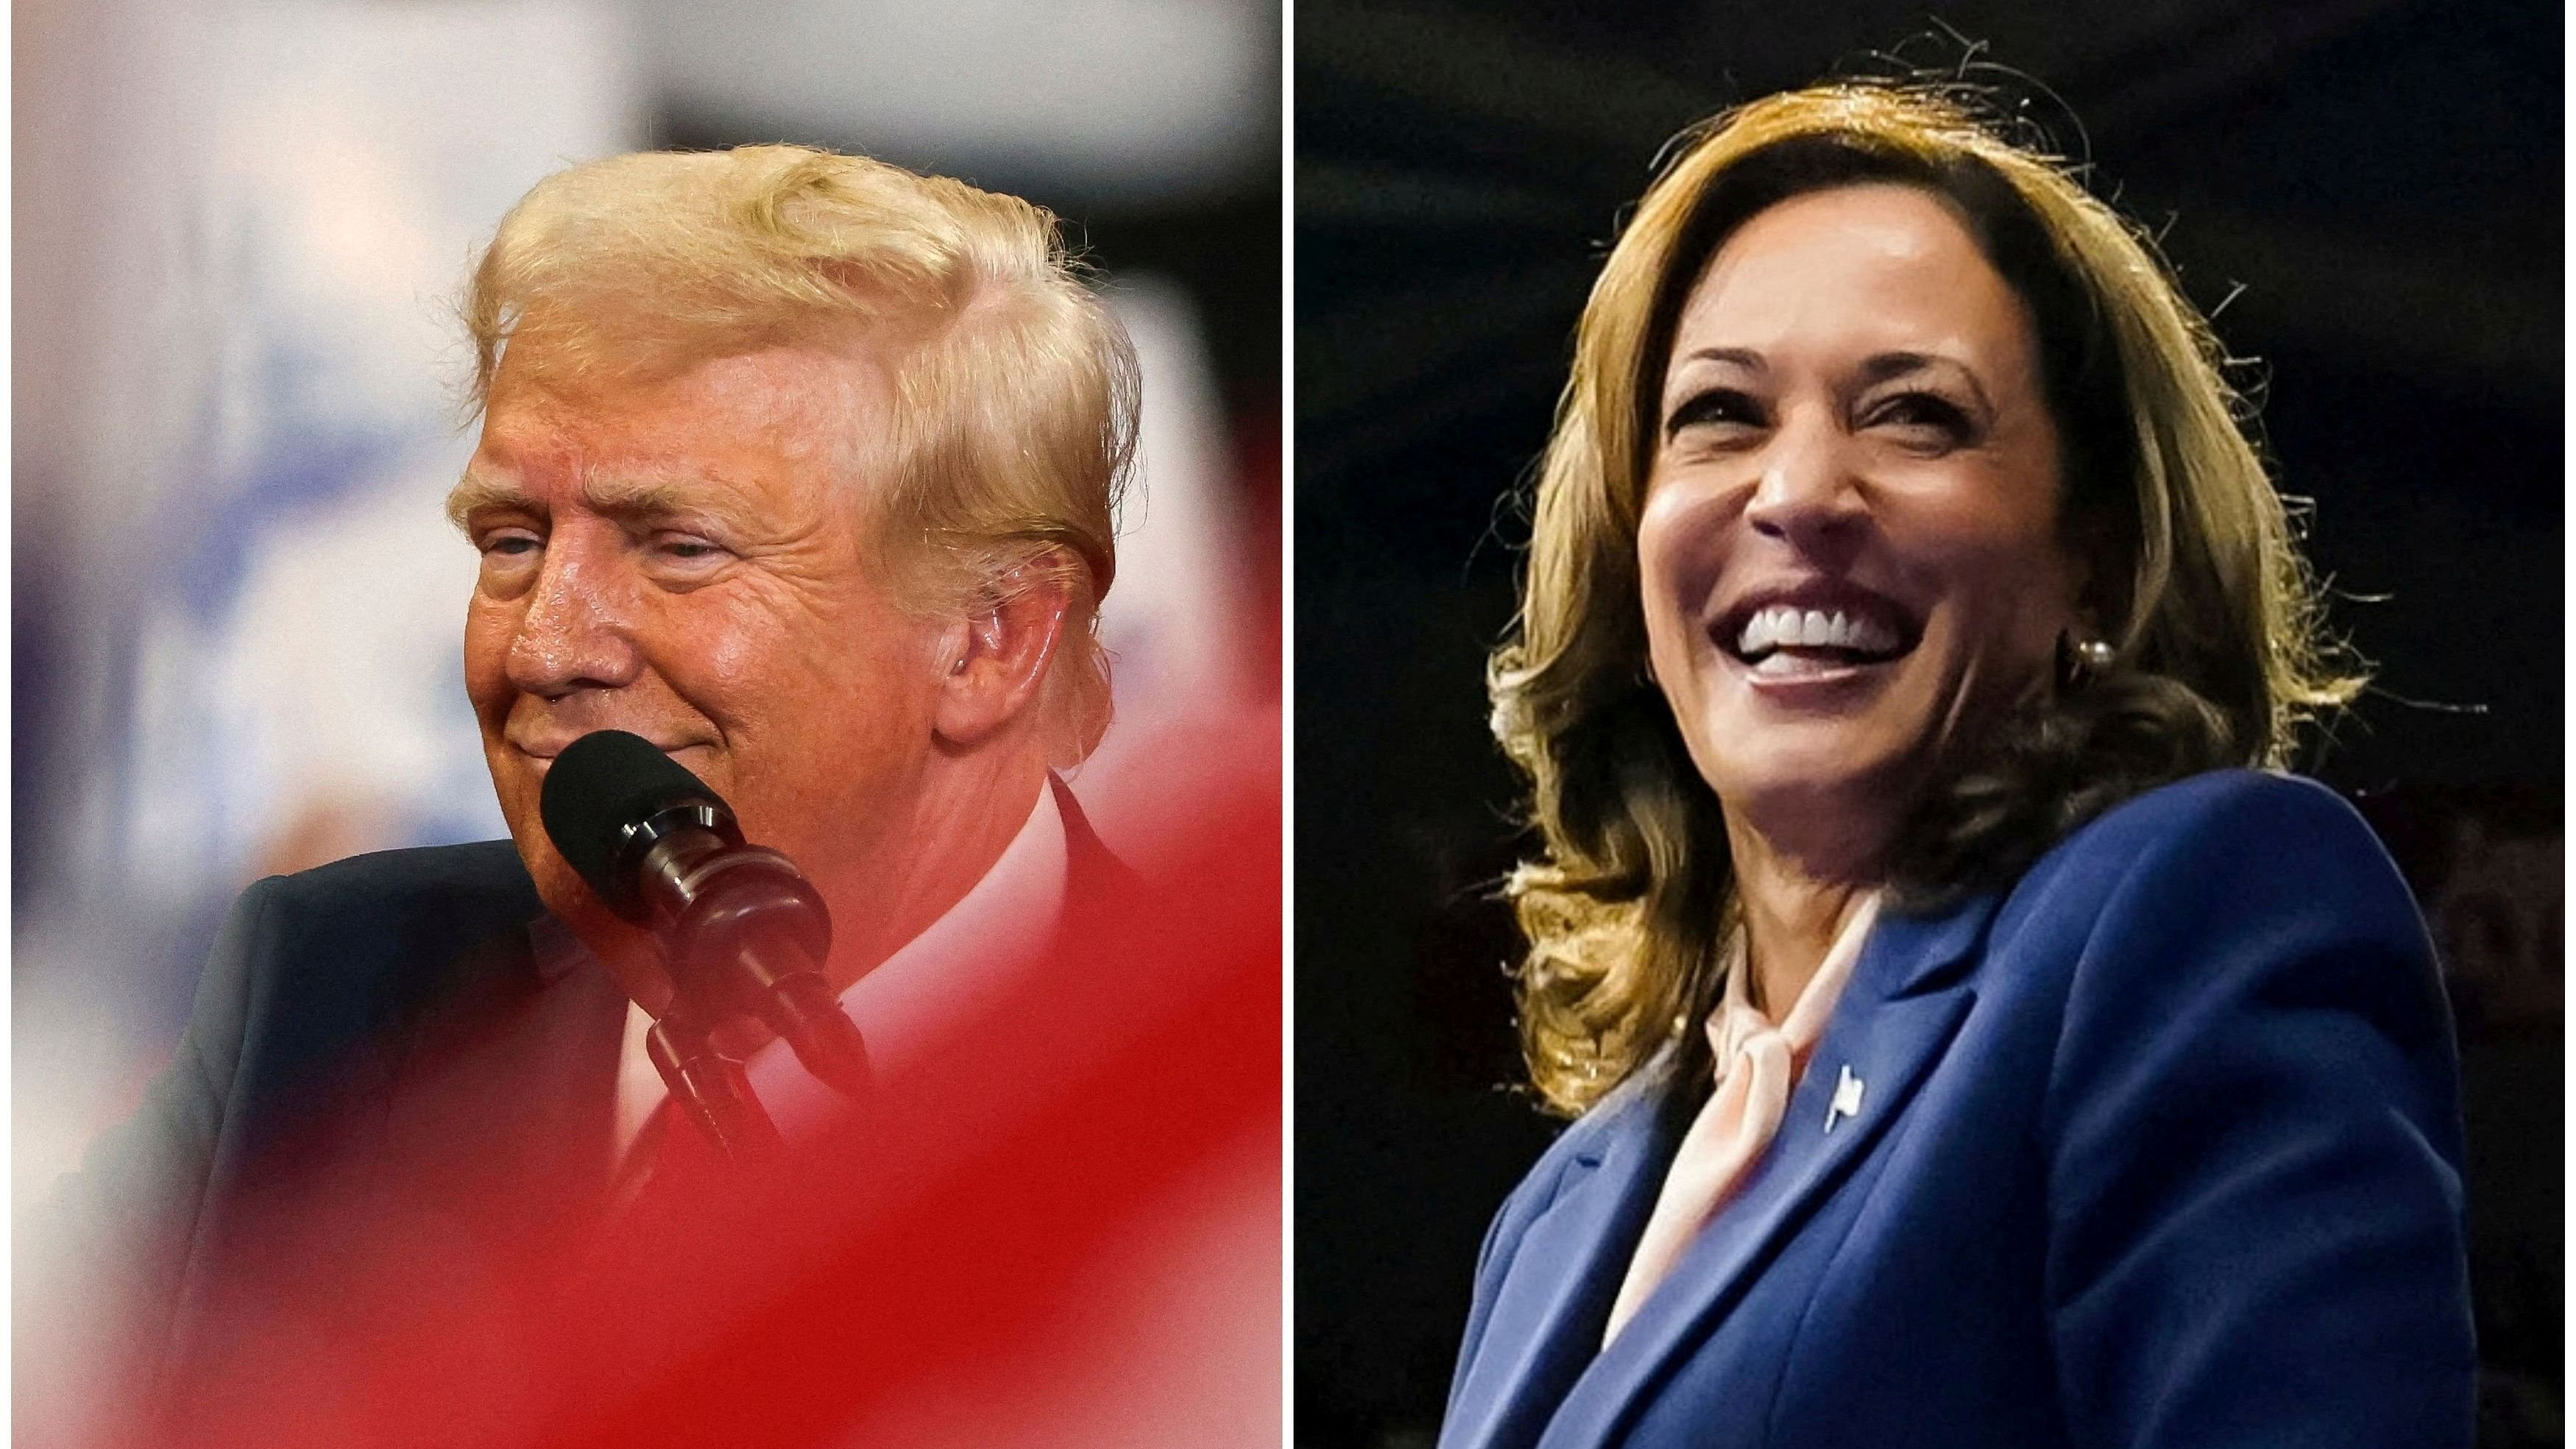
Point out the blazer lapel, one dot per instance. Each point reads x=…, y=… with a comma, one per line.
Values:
x=1546, y=1324
x=505, y=1100
x=1897, y=1016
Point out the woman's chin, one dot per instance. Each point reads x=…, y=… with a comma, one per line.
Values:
x=1796, y=775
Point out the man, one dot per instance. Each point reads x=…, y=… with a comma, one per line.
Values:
x=800, y=466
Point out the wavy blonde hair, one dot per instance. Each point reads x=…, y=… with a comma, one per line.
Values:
x=1013, y=437
x=2212, y=613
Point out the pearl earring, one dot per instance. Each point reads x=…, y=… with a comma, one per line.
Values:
x=2079, y=661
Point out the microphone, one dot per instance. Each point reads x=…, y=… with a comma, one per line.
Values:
x=742, y=931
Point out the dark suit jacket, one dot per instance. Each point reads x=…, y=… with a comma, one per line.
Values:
x=2161, y=1147
x=386, y=1046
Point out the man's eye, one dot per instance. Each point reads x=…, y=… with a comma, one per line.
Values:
x=689, y=549
x=510, y=545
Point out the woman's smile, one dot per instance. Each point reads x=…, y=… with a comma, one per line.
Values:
x=1792, y=640
x=1849, y=550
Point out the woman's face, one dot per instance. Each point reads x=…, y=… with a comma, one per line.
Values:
x=1849, y=549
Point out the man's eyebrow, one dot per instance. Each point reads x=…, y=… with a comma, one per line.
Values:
x=477, y=491
x=631, y=495
x=619, y=495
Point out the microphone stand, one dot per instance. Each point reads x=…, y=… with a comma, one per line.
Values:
x=744, y=933
x=712, y=1088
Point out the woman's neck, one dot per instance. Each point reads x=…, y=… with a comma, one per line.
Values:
x=1793, y=910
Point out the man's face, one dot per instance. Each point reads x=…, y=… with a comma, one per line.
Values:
x=686, y=560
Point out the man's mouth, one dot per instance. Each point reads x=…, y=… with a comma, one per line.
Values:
x=547, y=745
x=1786, y=638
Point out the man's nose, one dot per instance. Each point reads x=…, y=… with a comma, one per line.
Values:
x=1809, y=493
x=578, y=629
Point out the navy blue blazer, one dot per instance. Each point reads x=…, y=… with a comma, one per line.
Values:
x=2159, y=1147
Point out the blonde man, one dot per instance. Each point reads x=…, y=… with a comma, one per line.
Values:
x=805, y=469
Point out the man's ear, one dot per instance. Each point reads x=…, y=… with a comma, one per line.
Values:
x=995, y=658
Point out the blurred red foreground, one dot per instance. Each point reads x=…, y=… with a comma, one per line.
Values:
x=1066, y=1232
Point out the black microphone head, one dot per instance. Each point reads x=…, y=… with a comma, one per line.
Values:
x=602, y=793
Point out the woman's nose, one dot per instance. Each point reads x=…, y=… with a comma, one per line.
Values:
x=1808, y=493
x=577, y=630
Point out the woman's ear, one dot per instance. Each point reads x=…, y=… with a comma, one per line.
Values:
x=994, y=660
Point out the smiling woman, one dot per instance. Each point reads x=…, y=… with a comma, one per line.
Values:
x=1972, y=1047
x=1854, y=439
x=1982, y=374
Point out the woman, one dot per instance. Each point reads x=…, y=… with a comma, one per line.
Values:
x=1972, y=1047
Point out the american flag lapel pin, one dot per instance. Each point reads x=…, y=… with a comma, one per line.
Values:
x=1846, y=1103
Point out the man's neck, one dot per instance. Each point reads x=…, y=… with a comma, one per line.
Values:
x=908, y=872
x=955, y=830
x=1004, y=921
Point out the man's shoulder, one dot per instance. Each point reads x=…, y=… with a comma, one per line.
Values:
x=483, y=879
x=344, y=948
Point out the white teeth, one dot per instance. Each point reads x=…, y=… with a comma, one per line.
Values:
x=1781, y=661
x=1783, y=625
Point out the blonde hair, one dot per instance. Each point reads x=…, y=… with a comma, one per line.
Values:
x=1014, y=430
x=2197, y=580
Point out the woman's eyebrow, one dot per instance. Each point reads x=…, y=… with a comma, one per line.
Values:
x=1677, y=392
x=1744, y=357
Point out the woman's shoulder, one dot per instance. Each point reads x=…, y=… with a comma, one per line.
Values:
x=2216, y=803
x=2246, y=1106
x=2231, y=890
x=1624, y=1111
x=2219, y=837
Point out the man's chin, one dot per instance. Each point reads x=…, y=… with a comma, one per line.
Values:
x=568, y=898
x=626, y=950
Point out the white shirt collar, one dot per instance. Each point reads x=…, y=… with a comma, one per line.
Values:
x=997, y=930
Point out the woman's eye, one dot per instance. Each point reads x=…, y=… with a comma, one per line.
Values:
x=1718, y=407
x=1929, y=418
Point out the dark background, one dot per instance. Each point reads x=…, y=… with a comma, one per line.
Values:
x=2376, y=186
